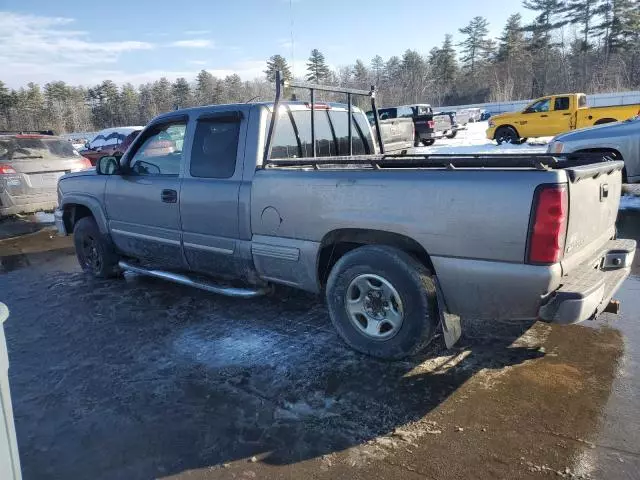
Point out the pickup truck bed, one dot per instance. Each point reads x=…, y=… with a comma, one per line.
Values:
x=398, y=244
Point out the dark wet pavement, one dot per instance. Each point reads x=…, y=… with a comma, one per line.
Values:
x=138, y=378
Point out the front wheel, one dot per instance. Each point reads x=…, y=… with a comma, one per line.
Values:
x=96, y=254
x=382, y=302
x=507, y=135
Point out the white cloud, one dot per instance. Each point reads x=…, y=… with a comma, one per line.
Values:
x=197, y=32
x=38, y=48
x=196, y=43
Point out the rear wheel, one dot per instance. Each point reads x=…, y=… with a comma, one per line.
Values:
x=428, y=142
x=507, y=135
x=382, y=302
x=602, y=121
x=96, y=254
x=453, y=134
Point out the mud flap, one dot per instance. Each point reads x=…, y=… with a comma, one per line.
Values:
x=450, y=323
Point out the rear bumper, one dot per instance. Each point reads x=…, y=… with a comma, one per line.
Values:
x=13, y=205
x=587, y=291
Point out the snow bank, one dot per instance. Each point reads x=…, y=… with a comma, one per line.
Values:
x=473, y=140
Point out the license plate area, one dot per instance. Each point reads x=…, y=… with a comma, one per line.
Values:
x=45, y=179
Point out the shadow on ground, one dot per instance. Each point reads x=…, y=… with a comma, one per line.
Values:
x=138, y=378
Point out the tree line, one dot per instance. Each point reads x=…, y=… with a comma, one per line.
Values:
x=590, y=46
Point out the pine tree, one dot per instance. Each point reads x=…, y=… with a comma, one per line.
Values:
x=360, y=73
x=512, y=42
x=447, y=60
x=277, y=63
x=161, y=91
x=377, y=69
x=181, y=93
x=316, y=66
x=205, y=88
x=474, y=46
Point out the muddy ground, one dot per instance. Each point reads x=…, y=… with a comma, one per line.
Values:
x=140, y=379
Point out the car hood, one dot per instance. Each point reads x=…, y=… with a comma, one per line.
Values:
x=89, y=172
x=502, y=118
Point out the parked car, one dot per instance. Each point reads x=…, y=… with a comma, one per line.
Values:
x=399, y=246
x=451, y=121
x=620, y=141
x=426, y=131
x=552, y=115
x=485, y=115
x=469, y=115
x=30, y=165
x=110, y=141
x=397, y=133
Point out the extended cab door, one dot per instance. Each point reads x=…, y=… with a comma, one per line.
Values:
x=209, y=198
x=142, y=203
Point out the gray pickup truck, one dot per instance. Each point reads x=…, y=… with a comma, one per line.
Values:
x=399, y=245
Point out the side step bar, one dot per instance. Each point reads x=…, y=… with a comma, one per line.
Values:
x=203, y=285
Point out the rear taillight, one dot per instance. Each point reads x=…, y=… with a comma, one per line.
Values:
x=430, y=123
x=85, y=163
x=6, y=169
x=549, y=224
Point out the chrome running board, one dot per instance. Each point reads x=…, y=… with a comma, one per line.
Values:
x=203, y=285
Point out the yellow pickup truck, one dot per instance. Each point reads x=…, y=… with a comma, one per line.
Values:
x=549, y=116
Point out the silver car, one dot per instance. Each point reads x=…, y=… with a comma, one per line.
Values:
x=30, y=166
x=621, y=140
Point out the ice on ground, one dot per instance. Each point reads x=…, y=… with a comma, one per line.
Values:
x=629, y=202
x=473, y=140
x=43, y=217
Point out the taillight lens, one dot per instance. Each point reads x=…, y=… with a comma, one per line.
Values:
x=549, y=227
x=85, y=163
x=430, y=123
x=6, y=169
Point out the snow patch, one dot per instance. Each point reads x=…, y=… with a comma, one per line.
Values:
x=43, y=217
x=474, y=140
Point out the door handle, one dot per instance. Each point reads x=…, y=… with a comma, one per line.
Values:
x=544, y=115
x=169, y=196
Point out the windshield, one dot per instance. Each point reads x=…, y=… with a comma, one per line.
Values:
x=22, y=148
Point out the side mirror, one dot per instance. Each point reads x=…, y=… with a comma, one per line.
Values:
x=108, y=166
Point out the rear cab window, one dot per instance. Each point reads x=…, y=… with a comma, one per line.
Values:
x=292, y=138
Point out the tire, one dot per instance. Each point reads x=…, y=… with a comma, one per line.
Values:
x=604, y=121
x=416, y=141
x=401, y=320
x=96, y=253
x=506, y=135
x=428, y=142
x=453, y=134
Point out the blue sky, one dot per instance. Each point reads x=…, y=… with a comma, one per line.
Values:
x=84, y=42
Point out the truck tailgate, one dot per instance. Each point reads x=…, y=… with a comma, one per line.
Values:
x=594, y=196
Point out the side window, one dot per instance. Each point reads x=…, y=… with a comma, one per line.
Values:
x=582, y=101
x=386, y=113
x=215, y=148
x=561, y=103
x=341, y=128
x=159, y=152
x=540, y=106
x=325, y=145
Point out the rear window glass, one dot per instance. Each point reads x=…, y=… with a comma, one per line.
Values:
x=385, y=113
x=215, y=148
x=16, y=148
x=294, y=141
